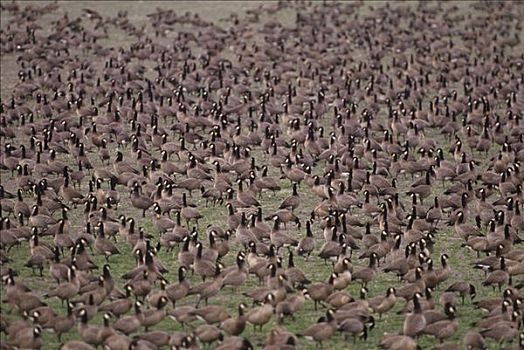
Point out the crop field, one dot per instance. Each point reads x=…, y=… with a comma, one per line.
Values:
x=261, y=175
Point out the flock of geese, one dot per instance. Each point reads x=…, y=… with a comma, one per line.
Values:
x=347, y=176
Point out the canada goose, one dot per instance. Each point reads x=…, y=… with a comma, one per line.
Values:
x=398, y=342
x=179, y=290
x=236, y=277
x=294, y=174
x=365, y=275
x=382, y=304
x=294, y=274
x=140, y=201
x=307, y=244
x=498, y=277
x=292, y=202
x=473, y=340
x=67, y=290
x=42, y=316
x=415, y=322
x=280, y=238
x=211, y=313
x=158, y=338
x=500, y=332
x=151, y=317
x=210, y=288
x=291, y=305
x=94, y=335
x=246, y=198
x=445, y=328
x=76, y=345
x=235, y=326
x=500, y=314
x=344, y=275
x=463, y=288
x=444, y=272
x=189, y=213
x=261, y=315
x=259, y=228
x=59, y=271
x=120, y=306
x=182, y=314
x=333, y=248
x=321, y=331
x=103, y=245
x=207, y=334
x=354, y=327
x=235, y=343
x=141, y=284
x=29, y=338
x=62, y=324
x=119, y=341
x=20, y=206
x=69, y=194
x=132, y=323
x=203, y=267
x=40, y=220
x=320, y=291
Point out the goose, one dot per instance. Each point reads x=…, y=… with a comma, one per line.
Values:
x=307, y=244
x=498, y=277
x=238, y=276
x=40, y=254
x=76, y=345
x=131, y=323
x=365, y=275
x=473, y=340
x=210, y=288
x=292, y=305
x=207, y=334
x=382, y=304
x=120, y=306
x=259, y=228
x=188, y=213
x=103, y=245
x=355, y=327
x=415, y=322
x=397, y=342
x=152, y=317
x=158, y=338
x=320, y=291
x=94, y=335
x=292, y=202
x=280, y=238
x=140, y=201
x=294, y=275
x=266, y=182
x=62, y=324
x=29, y=338
x=463, y=288
x=202, y=266
x=67, y=290
x=235, y=326
x=261, y=315
x=245, y=197
x=445, y=328
x=322, y=330
x=40, y=221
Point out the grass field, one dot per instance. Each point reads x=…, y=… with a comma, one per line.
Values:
x=446, y=241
